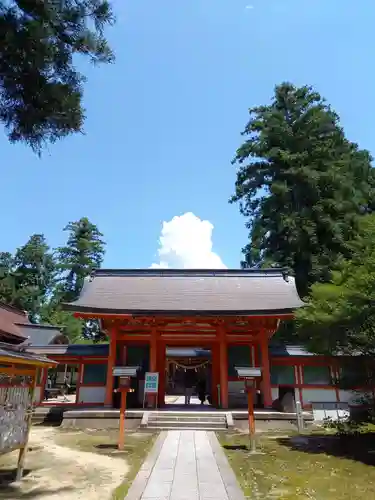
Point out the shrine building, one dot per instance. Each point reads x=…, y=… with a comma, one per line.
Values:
x=168, y=321
x=231, y=313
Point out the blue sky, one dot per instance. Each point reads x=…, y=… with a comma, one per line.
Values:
x=164, y=121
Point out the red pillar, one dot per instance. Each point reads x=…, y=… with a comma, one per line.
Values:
x=153, y=351
x=266, y=373
x=111, y=363
x=152, y=398
x=215, y=372
x=162, y=366
x=223, y=367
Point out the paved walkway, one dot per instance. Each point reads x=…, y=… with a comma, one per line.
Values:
x=186, y=465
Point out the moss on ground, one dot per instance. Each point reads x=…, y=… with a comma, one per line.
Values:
x=318, y=466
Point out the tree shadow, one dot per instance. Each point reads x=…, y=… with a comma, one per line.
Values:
x=236, y=447
x=14, y=493
x=104, y=446
x=9, y=490
x=8, y=476
x=359, y=447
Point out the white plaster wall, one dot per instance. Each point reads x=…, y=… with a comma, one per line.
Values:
x=320, y=415
x=319, y=395
x=91, y=394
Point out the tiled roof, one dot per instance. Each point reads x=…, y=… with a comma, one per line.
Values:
x=40, y=334
x=14, y=355
x=159, y=291
x=9, y=317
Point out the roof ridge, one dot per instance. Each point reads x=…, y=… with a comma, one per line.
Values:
x=190, y=272
x=14, y=309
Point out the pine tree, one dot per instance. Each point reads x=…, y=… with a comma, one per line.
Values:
x=7, y=279
x=28, y=277
x=40, y=88
x=83, y=253
x=301, y=185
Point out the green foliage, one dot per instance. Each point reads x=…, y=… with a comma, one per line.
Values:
x=84, y=251
x=40, y=88
x=28, y=278
x=38, y=280
x=52, y=314
x=340, y=315
x=301, y=185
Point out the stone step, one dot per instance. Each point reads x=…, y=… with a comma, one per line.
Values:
x=192, y=423
x=196, y=428
x=187, y=418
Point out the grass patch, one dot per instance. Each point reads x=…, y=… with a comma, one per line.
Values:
x=318, y=466
x=137, y=446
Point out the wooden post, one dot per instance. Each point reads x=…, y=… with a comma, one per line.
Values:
x=223, y=367
x=250, y=406
x=153, y=362
x=266, y=373
x=111, y=363
x=43, y=384
x=215, y=372
x=162, y=364
x=23, y=450
x=121, y=437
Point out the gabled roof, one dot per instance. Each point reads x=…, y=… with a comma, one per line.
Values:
x=17, y=355
x=181, y=291
x=15, y=327
x=10, y=317
x=40, y=334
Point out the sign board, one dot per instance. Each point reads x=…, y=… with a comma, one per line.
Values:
x=248, y=372
x=125, y=371
x=151, y=383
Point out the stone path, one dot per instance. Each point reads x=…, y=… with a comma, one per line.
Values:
x=186, y=465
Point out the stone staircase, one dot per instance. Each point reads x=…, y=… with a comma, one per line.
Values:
x=184, y=420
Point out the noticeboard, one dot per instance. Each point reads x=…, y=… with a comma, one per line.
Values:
x=151, y=383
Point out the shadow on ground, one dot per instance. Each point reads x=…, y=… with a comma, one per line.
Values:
x=235, y=447
x=9, y=490
x=105, y=446
x=359, y=447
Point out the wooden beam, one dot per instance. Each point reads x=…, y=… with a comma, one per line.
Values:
x=17, y=372
x=21, y=361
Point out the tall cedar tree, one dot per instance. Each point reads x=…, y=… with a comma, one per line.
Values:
x=28, y=278
x=83, y=253
x=40, y=88
x=340, y=315
x=301, y=185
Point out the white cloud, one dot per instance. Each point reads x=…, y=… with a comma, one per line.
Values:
x=186, y=243
x=249, y=7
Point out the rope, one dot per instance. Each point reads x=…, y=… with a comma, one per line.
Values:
x=190, y=367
